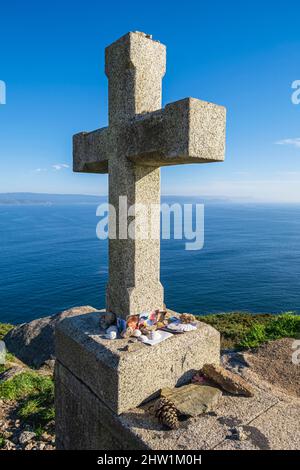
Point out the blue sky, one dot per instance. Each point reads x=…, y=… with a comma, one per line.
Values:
x=243, y=55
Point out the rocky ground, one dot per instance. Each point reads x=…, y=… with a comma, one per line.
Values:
x=17, y=436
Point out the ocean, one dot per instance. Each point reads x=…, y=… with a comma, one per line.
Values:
x=51, y=260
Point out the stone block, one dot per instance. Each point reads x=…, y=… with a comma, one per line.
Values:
x=122, y=378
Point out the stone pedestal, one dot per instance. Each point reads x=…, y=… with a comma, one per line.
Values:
x=98, y=379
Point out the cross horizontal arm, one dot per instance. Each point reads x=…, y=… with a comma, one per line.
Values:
x=186, y=131
x=91, y=151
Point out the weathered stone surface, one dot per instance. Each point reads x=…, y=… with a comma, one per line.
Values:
x=142, y=137
x=258, y=418
x=122, y=378
x=227, y=380
x=192, y=400
x=33, y=342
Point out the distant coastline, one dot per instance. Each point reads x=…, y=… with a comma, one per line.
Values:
x=46, y=199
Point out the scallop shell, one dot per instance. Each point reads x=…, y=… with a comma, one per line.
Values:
x=181, y=327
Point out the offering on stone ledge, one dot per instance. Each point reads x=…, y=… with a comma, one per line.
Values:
x=178, y=327
x=163, y=335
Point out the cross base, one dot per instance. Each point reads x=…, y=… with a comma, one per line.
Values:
x=122, y=378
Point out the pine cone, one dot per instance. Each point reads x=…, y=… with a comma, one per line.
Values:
x=166, y=413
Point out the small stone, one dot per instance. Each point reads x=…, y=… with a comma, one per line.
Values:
x=227, y=380
x=46, y=437
x=49, y=447
x=238, y=434
x=29, y=446
x=192, y=399
x=132, y=347
x=26, y=436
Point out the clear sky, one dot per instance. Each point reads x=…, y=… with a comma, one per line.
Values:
x=243, y=55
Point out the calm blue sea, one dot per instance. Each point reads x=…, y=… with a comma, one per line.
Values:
x=51, y=260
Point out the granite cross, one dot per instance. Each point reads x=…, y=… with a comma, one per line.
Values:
x=142, y=137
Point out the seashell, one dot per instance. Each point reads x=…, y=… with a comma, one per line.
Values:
x=137, y=333
x=143, y=338
x=107, y=319
x=181, y=327
x=111, y=335
x=112, y=328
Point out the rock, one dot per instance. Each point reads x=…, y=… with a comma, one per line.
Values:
x=46, y=437
x=33, y=342
x=2, y=352
x=10, y=373
x=29, y=446
x=9, y=445
x=192, y=400
x=238, y=434
x=227, y=380
x=26, y=436
x=132, y=347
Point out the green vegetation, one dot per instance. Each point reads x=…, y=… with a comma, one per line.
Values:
x=4, y=329
x=282, y=326
x=246, y=330
x=35, y=396
x=2, y=441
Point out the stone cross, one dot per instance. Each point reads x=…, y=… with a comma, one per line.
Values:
x=142, y=137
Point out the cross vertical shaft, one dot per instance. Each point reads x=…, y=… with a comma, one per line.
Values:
x=135, y=66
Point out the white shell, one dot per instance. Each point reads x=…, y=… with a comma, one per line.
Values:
x=111, y=335
x=143, y=338
x=112, y=328
x=137, y=333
